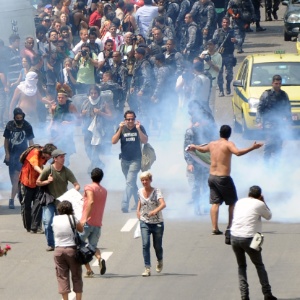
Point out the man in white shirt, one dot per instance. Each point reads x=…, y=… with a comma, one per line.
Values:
x=247, y=222
x=84, y=36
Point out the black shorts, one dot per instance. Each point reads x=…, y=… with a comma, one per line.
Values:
x=222, y=189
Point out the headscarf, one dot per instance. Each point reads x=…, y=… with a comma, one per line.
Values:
x=94, y=102
x=29, y=85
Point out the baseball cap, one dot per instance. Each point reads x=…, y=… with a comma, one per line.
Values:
x=57, y=152
x=48, y=6
x=47, y=18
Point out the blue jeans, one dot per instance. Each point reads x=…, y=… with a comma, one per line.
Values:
x=91, y=233
x=241, y=246
x=49, y=212
x=130, y=170
x=157, y=231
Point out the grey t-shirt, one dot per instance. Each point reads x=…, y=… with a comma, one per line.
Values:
x=149, y=204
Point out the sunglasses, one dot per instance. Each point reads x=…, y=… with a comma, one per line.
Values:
x=130, y=119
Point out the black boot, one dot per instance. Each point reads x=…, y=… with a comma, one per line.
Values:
x=274, y=13
x=269, y=17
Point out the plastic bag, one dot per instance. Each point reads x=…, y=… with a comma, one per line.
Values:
x=137, y=232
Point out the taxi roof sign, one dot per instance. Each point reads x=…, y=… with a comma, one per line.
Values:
x=279, y=52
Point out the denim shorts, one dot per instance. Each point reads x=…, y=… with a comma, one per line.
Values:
x=91, y=233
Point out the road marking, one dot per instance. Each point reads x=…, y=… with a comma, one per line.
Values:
x=104, y=255
x=129, y=225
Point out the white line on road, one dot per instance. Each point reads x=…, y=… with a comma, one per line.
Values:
x=104, y=255
x=129, y=225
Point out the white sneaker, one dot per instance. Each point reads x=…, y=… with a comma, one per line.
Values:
x=159, y=266
x=146, y=273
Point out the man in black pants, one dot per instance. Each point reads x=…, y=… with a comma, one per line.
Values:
x=246, y=223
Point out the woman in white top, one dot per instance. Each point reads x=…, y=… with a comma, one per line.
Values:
x=64, y=254
x=150, y=205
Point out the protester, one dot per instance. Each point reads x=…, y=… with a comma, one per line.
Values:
x=149, y=212
x=31, y=209
x=64, y=120
x=56, y=177
x=131, y=134
x=221, y=185
x=95, y=111
x=18, y=135
x=92, y=215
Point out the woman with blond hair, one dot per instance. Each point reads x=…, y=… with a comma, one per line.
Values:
x=149, y=212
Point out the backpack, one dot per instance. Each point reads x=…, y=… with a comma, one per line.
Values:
x=26, y=152
x=148, y=157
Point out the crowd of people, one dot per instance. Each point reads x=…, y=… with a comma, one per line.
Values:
x=133, y=49
x=88, y=62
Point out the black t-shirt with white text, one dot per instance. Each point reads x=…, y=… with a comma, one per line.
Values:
x=130, y=143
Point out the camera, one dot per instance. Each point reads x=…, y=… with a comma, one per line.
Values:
x=83, y=52
x=134, y=38
x=207, y=57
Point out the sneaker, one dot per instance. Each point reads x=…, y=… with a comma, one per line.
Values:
x=240, y=51
x=89, y=274
x=259, y=29
x=228, y=91
x=146, y=273
x=49, y=248
x=102, y=266
x=11, y=204
x=124, y=210
x=270, y=297
x=216, y=232
x=227, y=237
x=159, y=266
x=221, y=94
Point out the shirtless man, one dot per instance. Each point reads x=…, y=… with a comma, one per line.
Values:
x=221, y=185
x=26, y=97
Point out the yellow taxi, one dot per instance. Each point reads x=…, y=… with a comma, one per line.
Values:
x=254, y=77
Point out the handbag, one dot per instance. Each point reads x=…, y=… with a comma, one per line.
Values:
x=148, y=157
x=84, y=251
x=44, y=197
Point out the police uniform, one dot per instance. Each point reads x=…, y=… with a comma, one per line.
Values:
x=204, y=15
x=223, y=38
x=274, y=112
x=193, y=39
x=244, y=12
x=141, y=81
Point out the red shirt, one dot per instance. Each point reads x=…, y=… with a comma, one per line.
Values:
x=100, y=194
x=29, y=175
x=95, y=19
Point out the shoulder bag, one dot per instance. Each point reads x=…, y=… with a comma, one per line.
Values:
x=84, y=251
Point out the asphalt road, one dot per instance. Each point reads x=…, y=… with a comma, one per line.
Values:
x=196, y=264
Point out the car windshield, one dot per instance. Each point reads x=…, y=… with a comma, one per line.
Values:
x=262, y=73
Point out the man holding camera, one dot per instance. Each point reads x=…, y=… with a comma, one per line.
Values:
x=225, y=40
x=212, y=65
x=246, y=223
x=86, y=63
